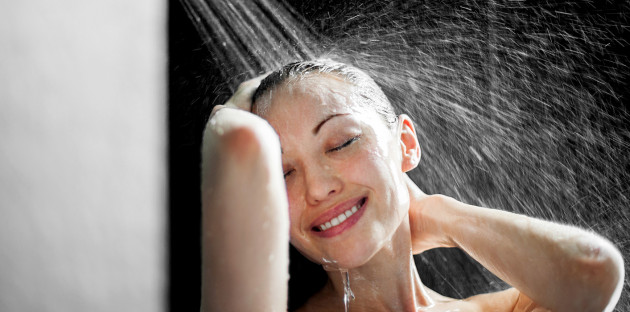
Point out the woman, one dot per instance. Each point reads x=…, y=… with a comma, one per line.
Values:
x=349, y=206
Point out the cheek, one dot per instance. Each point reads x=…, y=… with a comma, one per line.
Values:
x=363, y=172
x=296, y=207
x=386, y=177
x=374, y=168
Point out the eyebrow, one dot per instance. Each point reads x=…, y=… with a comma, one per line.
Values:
x=319, y=125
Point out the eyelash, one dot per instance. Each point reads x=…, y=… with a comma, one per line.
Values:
x=345, y=144
x=334, y=149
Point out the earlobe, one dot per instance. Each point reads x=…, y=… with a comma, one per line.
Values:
x=409, y=144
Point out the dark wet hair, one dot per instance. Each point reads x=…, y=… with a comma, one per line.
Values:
x=306, y=277
x=293, y=72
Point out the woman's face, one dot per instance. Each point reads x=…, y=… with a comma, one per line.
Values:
x=343, y=170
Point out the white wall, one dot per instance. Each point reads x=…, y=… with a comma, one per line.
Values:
x=82, y=155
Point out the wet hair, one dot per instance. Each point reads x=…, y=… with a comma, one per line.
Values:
x=306, y=277
x=371, y=94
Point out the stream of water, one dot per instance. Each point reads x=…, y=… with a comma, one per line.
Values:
x=519, y=105
x=348, y=295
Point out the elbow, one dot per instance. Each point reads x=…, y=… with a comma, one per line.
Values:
x=600, y=274
x=612, y=274
x=237, y=139
x=232, y=125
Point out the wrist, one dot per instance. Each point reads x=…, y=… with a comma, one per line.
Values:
x=442, y=219
x=431, y=221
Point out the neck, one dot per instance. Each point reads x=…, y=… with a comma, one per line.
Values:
x=388, y=281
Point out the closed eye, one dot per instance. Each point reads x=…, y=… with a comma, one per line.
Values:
x=286, y=174
x=345, y=144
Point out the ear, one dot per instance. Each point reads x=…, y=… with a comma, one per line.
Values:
x=409, y=144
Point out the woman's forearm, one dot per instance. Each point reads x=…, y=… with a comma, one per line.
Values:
x=559, y=267
x=244, y=216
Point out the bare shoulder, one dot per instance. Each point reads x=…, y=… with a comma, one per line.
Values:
x=509, y=300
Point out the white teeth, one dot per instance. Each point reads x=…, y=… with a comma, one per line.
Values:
x=340, y=218
x=334, y=221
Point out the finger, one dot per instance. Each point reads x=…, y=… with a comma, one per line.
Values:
x=242, y=98
x=216, y=109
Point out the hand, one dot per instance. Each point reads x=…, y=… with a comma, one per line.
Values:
x=425, y=215
x=242, y=98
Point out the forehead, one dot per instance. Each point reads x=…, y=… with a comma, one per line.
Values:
x=309, y=96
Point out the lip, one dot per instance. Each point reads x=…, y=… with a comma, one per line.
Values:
x=348, y=223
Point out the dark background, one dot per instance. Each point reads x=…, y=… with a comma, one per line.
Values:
x=196, y=85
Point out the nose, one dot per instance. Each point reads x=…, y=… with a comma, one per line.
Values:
x=322, y=182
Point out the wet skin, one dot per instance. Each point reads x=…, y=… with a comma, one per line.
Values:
x=337, y=154
x=340, y=157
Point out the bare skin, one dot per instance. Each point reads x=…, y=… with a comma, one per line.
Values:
x=551, y=266
x=243, y=200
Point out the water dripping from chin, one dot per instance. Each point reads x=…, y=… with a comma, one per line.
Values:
x=347, y=292
x=348, y=295
x=329, y=265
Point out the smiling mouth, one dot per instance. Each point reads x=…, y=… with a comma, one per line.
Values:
x=340, y=219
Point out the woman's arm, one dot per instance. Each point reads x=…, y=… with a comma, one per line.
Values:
x=559, y=267
x=245, y=223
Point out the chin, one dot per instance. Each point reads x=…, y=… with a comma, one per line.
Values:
x=348, y=257
x=351, y=251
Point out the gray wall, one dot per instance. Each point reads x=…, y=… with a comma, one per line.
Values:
x=82, y=155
